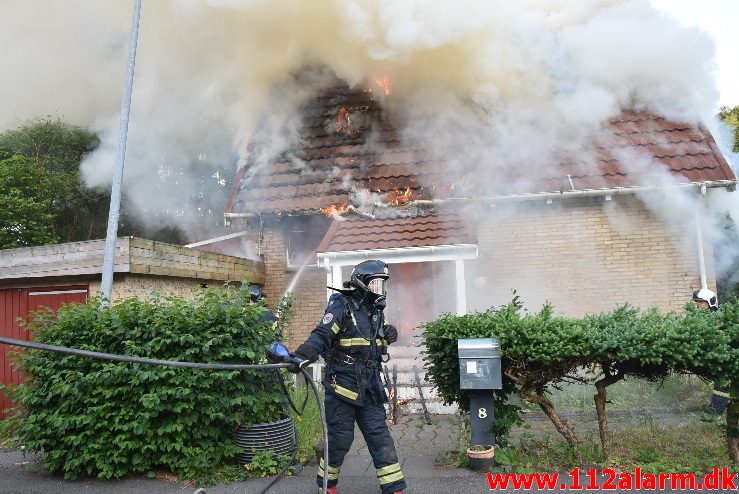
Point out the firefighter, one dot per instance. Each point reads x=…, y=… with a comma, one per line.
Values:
x=256, y=296
x=353, y=337
x=706, y=299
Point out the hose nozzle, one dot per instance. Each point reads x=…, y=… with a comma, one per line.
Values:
x=277, y=353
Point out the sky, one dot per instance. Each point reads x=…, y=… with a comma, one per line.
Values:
x=718, y=18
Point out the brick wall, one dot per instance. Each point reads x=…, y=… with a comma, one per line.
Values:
x=309, y=290
x=585, y=256
x=142, y=286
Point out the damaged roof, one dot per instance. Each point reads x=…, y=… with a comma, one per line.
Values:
x=336, y=155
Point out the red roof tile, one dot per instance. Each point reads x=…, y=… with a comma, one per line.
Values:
x=354, y=232
x=337, y=154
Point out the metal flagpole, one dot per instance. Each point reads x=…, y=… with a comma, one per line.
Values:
x=115, y=193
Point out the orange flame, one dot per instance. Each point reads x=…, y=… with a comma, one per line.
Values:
x=384, y=83
x=335, y=210
x=343, y=120
x=396, y=197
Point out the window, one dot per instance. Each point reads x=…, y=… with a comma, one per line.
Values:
x=303, y=235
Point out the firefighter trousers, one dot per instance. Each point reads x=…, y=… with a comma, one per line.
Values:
x=372, y=421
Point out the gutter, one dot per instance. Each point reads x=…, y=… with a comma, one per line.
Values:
x=239, y=215
x=227, y=217
x=407, y=254
x=549, y=196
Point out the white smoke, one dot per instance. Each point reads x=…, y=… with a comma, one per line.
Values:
x=497, y=84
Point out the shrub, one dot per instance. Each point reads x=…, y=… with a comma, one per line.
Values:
x=539, y=351
x=105, y=419
x=440, y=338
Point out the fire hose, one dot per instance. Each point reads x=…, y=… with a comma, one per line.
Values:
x=195, y=365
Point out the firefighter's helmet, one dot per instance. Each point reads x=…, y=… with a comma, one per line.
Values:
x=255, y=293
x=706, y=295
x=370, y=277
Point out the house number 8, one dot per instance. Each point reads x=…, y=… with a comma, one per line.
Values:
x=482, y=413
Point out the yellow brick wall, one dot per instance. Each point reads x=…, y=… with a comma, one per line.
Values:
x=584, y=256
x=309, y=290
x=142, y=286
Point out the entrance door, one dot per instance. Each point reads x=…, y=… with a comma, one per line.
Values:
x=419, y=292
x=17, y=303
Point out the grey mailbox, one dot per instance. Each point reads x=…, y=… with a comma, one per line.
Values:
x=479, y=375
x=479, y=363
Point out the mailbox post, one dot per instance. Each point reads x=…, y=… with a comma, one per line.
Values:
x=480, y=373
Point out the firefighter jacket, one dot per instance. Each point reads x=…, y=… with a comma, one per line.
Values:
x=350, y=337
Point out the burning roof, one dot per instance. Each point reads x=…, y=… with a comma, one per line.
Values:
x=349, y=150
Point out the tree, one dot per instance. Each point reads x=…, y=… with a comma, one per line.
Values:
x=728, y=282
x=25, y=204
x=730, y=116
x=182, y=201
x=79, y=212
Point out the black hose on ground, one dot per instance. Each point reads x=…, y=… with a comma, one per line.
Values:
x=194, y=365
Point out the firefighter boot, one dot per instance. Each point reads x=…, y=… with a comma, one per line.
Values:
x=330, y=490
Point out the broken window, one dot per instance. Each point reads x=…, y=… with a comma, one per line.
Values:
x=303, y=234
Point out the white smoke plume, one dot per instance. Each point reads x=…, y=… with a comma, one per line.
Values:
x=496, y=83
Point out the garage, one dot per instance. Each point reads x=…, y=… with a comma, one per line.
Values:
x=17, y=303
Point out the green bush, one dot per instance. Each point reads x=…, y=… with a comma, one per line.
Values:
x=99, y=418
x=540, y=351
x=440, y=338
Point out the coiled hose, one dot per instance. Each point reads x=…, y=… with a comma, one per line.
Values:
x=191, y=365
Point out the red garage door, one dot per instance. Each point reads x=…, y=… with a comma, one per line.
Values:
x=18, y=303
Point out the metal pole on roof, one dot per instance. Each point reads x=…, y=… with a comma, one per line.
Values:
x=115, y=193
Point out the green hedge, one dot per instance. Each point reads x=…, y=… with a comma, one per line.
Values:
x=105, y=419
x=541, y=350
